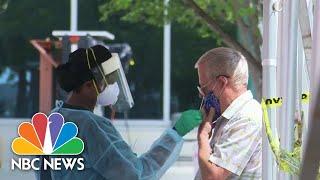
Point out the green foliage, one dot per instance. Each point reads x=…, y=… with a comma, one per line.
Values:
x=225, y=12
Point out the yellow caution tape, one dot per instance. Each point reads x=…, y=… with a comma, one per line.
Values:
x=273, y=102
x=273, y=141
x=287, y=161
x=305, y=97
x=277, y=101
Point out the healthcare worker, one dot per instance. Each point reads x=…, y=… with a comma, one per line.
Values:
x=90, y=76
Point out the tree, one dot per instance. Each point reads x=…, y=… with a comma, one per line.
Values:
x=209, y=17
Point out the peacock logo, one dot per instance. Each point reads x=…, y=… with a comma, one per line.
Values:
x=47, y=136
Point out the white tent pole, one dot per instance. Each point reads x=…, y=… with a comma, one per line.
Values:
x=315, y=68
x=288, y=82
x=269, y=63
x=311, y=158
x=303, y=87
x=303, y=84
x=306, y=22
x=305, y=27
x=166, y=68
x=74, y=20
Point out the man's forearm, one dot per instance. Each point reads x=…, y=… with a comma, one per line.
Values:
x=203, y=157
x=208, y=170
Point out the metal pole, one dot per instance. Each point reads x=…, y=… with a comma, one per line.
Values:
x=74, y=15
x=315, y=68
x=299, y=79
x=310, y=12
x=166, y=67
x=311, y=156
x=288, y=82
x=269, y=63
x=74, y=20
x=303, y=84
x=305, y=26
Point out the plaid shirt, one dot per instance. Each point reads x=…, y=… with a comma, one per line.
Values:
x=237, y=140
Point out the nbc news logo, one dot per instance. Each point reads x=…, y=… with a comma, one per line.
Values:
x=47, y=136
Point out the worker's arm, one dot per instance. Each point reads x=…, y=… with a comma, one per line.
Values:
x=208, y=170
x=113, y=158
x=109, y=155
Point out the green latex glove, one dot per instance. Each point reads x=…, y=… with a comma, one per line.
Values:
x=189, y=119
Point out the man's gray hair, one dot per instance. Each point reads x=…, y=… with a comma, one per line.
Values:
x=228, y=62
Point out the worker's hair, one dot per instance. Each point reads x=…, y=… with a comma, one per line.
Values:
x=228, y=62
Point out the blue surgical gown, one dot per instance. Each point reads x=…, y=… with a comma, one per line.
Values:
x=107, y=156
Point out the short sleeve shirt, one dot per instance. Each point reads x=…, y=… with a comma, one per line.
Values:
x=237, y=140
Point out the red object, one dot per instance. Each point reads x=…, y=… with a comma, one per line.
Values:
x=46, y=65
x=74, y=39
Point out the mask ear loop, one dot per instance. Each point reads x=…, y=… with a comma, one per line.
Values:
x=224, y=86
x=215, y=84
x=95, y=59
x=201, y=105
x=94, y=83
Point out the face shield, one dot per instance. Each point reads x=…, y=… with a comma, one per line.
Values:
x=111, y=83
x=114, y=75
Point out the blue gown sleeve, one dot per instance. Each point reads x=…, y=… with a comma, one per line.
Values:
x=112, y=157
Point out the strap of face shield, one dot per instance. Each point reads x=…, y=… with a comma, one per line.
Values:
x=98, y=75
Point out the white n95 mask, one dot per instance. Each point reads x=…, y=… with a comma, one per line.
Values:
x=109, y=96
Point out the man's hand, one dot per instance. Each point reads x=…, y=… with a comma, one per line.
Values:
x=208, y=170
x=205, y=128
x=188, y=120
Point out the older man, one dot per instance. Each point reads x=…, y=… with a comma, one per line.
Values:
x=230, y=143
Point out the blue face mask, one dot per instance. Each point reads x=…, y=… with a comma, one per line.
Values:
x=212, y=101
